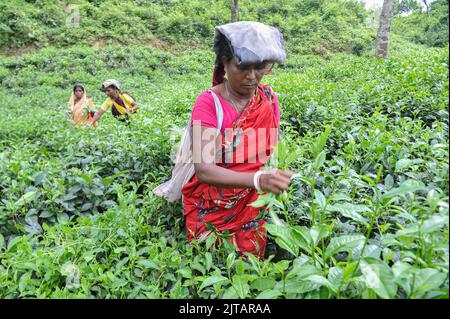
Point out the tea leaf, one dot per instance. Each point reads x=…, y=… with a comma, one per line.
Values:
x=378, y=277
x=269, y=294
x=25, y=199
x=263, y=284
x=213, y=280
x=343, y=243
x=409, y=186
x=148, y=264
x=241, y=286
x=321, y=281
x=350, y=211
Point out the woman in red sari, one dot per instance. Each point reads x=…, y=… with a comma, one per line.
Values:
x=221, y=190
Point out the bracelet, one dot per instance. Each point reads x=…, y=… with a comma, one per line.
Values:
x=256, y=180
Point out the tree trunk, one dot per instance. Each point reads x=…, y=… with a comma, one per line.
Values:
x=426, y=6
x=234, y=10
x=382, y=44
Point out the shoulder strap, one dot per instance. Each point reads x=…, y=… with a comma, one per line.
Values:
x=129, y=94
x=219, y=111
x=119, y=107
x=121, y=95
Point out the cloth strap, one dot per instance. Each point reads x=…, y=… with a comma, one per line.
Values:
x=219, y=111
x=119, y=107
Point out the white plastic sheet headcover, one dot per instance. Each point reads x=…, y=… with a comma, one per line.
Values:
x=253, y=42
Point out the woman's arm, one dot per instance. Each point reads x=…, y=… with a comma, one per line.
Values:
x=209, y=173
x=134, y=108
x=129, y=100
x=96, y=117
x=222, y=177
x=69, y=115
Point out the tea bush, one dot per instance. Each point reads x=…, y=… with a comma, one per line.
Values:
x=366, y=216
x=324, y=26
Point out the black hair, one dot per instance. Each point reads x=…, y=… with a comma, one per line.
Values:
x=222, y=48
x=112, y=86
x=78, y=85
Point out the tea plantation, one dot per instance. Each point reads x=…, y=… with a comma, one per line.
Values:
x=366, y=216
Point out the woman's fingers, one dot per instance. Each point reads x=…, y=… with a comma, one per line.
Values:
x=275, y=189
x=275, y=181
x=282, y=178
x=286, y=173
x=280, y=186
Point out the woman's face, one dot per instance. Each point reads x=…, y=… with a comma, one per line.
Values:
x=78, y=92
x=111, y=92
x=244, y=79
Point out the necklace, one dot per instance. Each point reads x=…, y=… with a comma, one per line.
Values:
x=239, y=110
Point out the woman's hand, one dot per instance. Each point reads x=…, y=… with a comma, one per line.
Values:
x=95, y=118
x=69, y=114
x=275, y=181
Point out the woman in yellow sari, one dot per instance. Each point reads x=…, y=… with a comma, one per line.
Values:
x=122, y=104
x=81, y=108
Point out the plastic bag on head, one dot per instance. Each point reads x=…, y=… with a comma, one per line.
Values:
x=253, y=42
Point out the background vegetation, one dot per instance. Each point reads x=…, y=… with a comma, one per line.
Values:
x=309, y=26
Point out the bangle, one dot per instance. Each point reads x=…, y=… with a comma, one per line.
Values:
x=256, y=180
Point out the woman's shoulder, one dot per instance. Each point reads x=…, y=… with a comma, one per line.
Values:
x=204, y=110
x=127, y=96
x=107, y=103
x=204, y=94
x=204, y=99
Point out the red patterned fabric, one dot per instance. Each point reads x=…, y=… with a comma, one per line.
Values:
x=227, y=208
x=205, y=111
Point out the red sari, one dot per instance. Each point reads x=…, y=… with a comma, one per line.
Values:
x=227, y=208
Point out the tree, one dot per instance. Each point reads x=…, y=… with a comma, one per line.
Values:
x=402, y=7
x=427, y=6
x=384, y=29
x=234, y=10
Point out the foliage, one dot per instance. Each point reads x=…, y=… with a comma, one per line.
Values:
x=312, y=26
x=429, y=28
x=403, y=7
x=366, y=216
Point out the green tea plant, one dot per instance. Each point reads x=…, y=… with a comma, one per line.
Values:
x=326, y=27
x=366, y=215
